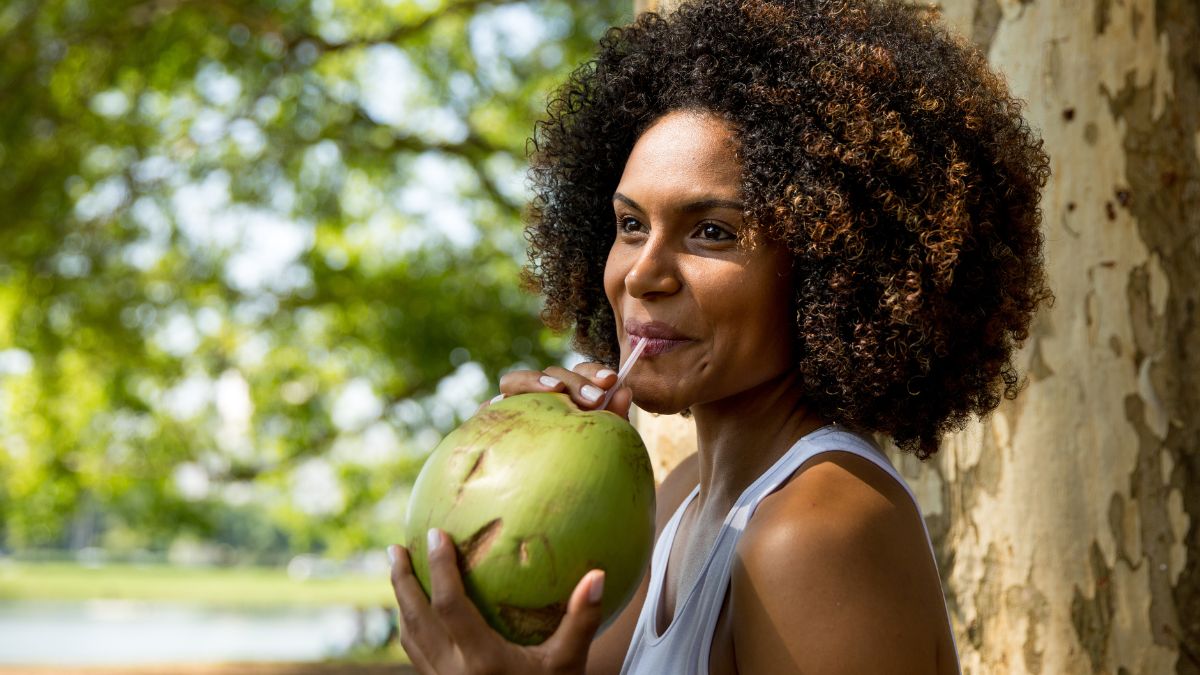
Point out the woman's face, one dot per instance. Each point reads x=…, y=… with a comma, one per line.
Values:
x=716, y=310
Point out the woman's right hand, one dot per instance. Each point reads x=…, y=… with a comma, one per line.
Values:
x=586, y=385
x=444, y=633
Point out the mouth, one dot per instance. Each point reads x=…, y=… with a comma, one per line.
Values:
x=658, y=336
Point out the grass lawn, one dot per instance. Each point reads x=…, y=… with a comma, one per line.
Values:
x=241, y=587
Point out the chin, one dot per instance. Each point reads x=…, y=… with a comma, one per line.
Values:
x=659, y=406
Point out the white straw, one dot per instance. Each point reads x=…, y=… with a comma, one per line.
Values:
x=625, y=367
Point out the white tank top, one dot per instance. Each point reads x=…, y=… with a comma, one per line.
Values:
x=683, y=648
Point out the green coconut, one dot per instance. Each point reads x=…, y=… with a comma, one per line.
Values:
x=535, y=492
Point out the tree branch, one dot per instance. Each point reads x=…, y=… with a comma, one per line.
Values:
x=398, y=33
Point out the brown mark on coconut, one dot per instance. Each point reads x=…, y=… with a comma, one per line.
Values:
x=471, y=473
x=492, y=426
x=475, y=548
x=531, y=625
x=523, y=552
x=494, y=416
x=475, y=467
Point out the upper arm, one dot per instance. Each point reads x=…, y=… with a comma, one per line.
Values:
x=829, y=571
x=608, y=650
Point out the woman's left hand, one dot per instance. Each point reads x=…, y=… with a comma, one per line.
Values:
x=446, y=634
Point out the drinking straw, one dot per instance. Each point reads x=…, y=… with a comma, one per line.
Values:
x=625, y=367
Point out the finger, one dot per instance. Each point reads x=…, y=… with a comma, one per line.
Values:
x=529, y=381
x=621, y=402
x=583, y=390
x=567, y=648
x=605, y=378
x=498, y=397
x=411, y=647
x=415, y=657
x=449, y=599
x=600, y=374
x=421, y=632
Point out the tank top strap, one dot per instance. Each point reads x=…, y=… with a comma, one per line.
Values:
x=658, y=565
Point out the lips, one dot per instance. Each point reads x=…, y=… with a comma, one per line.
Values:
x=659, y=337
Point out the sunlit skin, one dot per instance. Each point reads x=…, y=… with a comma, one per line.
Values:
x=729, y=296
x=833, y=574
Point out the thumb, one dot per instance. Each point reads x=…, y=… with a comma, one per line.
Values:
x=567, y=648
x=621, y=401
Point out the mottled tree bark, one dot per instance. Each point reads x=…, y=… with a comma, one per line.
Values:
x=1064, y=522
x=1066, y=517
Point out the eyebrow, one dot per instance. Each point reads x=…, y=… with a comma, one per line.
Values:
x=701, y=205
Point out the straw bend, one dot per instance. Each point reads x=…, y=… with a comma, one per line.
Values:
x=625, y=368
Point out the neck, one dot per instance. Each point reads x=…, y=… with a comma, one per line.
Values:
x=740, y=437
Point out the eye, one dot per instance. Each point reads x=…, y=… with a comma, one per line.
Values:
x=714, y=232
x=627, y=224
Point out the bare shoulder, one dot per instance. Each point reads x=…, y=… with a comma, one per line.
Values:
x=833, y=561
x=608, y=649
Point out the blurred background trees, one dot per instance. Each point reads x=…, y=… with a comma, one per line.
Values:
x=257, y=256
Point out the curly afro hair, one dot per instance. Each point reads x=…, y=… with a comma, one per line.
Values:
x=879, y=148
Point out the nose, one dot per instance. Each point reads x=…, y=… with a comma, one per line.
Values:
x=655, y=272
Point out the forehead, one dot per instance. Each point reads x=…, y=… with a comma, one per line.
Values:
x=685, y=154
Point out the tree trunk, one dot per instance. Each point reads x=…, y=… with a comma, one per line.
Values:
x=1070, y=547
x=1064, y=522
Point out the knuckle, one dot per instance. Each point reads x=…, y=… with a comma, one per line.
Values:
x=436, y=558
x=588, y=368
x=476, y=664
x=519, y=382
x=411, y=621
x=399, y=571
x=487, y=664
x=559, y=661
x=408, y=632
x=444, y=605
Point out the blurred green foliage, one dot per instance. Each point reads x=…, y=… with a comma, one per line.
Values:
x=256, y=256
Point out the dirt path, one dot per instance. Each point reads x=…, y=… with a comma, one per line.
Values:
x=219, y=669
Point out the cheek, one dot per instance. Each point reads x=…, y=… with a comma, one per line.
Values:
x=775, y=303
x=779, y=315
x=614, y=282
x=759, y=316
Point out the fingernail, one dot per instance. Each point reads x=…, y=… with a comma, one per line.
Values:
x=497, y=397
x=432, y=539
x=550, y=382
x=604, y=372
x=597, y=590
x=591, y=393
x=391, y=553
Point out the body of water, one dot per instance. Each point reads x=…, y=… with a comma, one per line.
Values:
x=110, y=632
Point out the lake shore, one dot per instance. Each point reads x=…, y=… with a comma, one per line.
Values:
x=248, y=587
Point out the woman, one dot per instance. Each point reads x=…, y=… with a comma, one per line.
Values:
x=822, y=214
